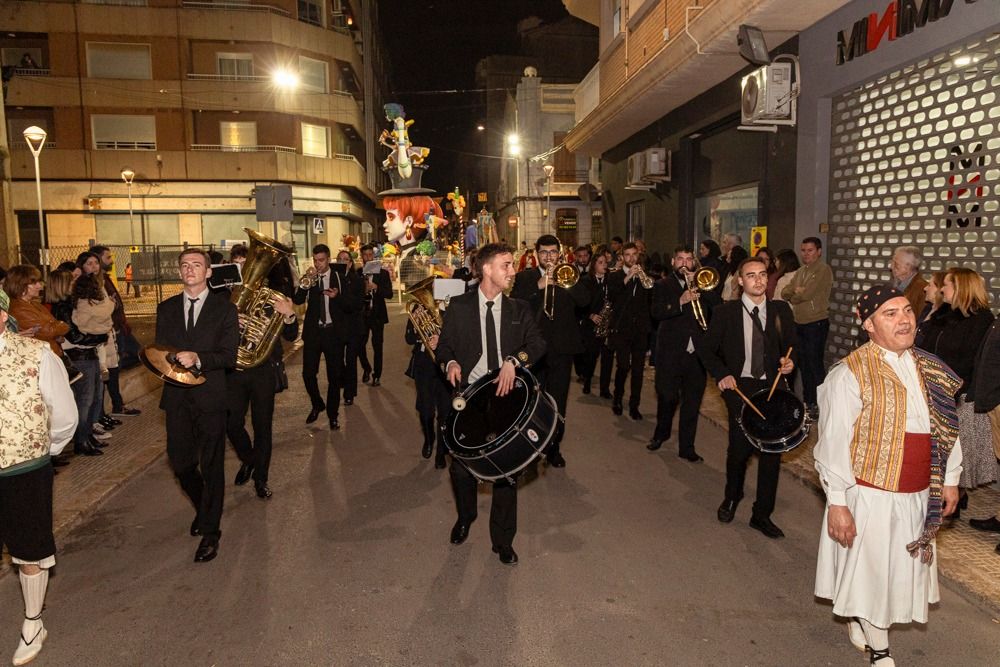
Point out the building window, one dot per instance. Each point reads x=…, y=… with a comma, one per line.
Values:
x=311, y=11
x=635, y=220
x=16, y=125
x=616, y=17
x=315, y=140
x=22, y=59
x=128, y=133
x=313, y=75
x=234, y=136
x=107, y=60
x=234, y=65
x=724, y=212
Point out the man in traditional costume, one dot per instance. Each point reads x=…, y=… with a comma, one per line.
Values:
x=889, y=460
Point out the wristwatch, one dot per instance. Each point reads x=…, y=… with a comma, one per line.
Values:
x=514, y=360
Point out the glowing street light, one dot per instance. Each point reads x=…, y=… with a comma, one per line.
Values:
x=548, y=169
x=127, y=176
x=35, y=136
x=514, y=144
x=285, y=79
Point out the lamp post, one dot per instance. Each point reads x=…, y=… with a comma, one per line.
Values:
x=514, y=148
x=35, y=136
x=127, y=176
x=548, y=169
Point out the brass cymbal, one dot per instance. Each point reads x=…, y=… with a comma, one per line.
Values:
x=162, y=362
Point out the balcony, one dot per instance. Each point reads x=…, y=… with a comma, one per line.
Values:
x=236, y=6
x=125, y=145
x=220, y=148
x=257, y=78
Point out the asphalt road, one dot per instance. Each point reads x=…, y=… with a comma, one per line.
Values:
x=622, y=561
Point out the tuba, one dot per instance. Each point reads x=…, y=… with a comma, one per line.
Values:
x=255, y=302
x=423, y=312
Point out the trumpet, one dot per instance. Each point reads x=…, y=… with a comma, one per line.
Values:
x=642, y=277
x=308, y=278
x=705, y=278
x=563, y=275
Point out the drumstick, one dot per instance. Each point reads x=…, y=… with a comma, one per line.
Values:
x=774, y=385
x=747, y=401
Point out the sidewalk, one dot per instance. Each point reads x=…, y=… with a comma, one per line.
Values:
x=967, y=559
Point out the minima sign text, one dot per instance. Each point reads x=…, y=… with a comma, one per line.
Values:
x=900, y=18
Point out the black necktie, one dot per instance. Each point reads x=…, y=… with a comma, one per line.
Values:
x=492, y=363
x=756, y=346
x=191, y=314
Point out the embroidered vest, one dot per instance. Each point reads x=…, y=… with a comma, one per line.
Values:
x=24, y=419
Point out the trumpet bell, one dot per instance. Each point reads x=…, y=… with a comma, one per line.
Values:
x=706, y=278
x=565, y=275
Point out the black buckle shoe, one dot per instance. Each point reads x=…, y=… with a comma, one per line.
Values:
x=767, y=527
x=459, y=532
x=727, y=510
x=243, y=474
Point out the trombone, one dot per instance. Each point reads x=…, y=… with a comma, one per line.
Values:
x=563, y=275
x=705, y=278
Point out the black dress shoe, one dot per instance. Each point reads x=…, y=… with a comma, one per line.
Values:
x=991, y=525
x=376, y=381
x=98, y=444
x=654, y=444
x=616, y=408
x=334, y=424
x=207, y=550
x=459, y=532
x=314, y=414
x=243, y=475
x=727, y=510
x=605, y=394
x=366, y=376
x=634, y=414
x=507, y=555
x=105, y=424
x=556, y=460
x=586, y=387
x=767, y=527
x=59, y=461
x=111, y=420
x=348, y=401
x=440, y=463
x=691, y=456
x=195, y=530
x=87, y=449
x=428, y=447
x=263, y=491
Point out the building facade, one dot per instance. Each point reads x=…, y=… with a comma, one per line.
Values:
x=204, y=102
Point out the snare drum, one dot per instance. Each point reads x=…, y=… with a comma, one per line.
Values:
x=495, y=437
x=785, y=426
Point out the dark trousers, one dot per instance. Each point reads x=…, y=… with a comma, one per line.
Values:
x=253, y=389
x=86, y=391
x=196, y=446
x=596, y=349
x=334, y=349
x=350, y=360
x=679, y=379
x=739, y=453
x=114, y=390
x=376, y=331
x=503, y=509
x=630, y=355
x=812, y=341
x=433, y=396
x=553, y=374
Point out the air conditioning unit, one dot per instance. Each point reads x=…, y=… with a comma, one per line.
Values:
x=634, y=174
x=655, y=165
x=768, y=95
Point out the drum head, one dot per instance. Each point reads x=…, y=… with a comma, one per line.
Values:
x=487, y=417
x=784, y=423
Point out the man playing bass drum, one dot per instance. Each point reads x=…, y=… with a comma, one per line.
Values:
x=484, y=331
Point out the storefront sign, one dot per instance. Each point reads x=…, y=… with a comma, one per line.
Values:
x=901, y=17
x=512, y=221
x=758, y=239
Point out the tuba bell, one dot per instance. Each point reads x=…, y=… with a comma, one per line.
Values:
x=423, y=312
x=255, y=301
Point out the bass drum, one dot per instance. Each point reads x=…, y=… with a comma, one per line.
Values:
x=495, y=437
x=785, y=426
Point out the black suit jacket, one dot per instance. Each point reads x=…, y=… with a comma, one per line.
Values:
x=721, y=349
x=461, y=338
x=345, y=308
x=215, y=337
x=378, y=312
x=562, y=332
x=677, y=323
x=629, y=308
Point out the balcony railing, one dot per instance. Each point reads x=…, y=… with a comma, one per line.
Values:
x=21, y=143
x=570, y=176
x=219, y=148
x=29, y=71
x=348, y=157
x=235, y=6
x=125, y=145
x=228, y=77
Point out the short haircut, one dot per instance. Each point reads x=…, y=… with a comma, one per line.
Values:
x=491, y=250
x=321, y=249
x=750, y=260
x=617, y=239
x=814, y=240
x=629, y=246
x=914, y=252
x=238, y=250
x=683, y=248
x=583, y=247
x=18, y=278
x=547, y=239
x=194, y=251
x=734, y=236
x=366, y=247
x=100, y=250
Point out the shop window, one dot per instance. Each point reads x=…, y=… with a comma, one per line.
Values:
x=112, y=60
x=726, y=212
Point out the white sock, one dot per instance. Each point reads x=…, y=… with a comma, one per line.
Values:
x=33, y=589
x=878, y=638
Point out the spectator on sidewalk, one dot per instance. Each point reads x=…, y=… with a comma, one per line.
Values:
x=987, y=401
x=906, y=276
x=24, y=286
x=786, y=263
x=808, y=293
x=122, y=332
x=37, y=419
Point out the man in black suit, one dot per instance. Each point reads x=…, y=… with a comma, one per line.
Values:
x=743, y=348
x=680, y=376
x=561, y=331
x=475, y=340
x=630, y=325
x=378, y=288
x=331, y=303
x=204, y=328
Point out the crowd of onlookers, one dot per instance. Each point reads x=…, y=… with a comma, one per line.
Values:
x=78, y=311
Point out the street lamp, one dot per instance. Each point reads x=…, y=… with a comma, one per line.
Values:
x=285, y=79
x=35, y=136
x=127, y=176
x=514, y=148
x=548, y=169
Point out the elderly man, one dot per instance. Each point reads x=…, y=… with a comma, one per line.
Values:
x=906, y=277
x=889, y=460
x=37, y=418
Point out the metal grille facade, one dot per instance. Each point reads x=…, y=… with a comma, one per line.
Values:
x=915, y=160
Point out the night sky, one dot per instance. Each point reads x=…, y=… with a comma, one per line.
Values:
x=434, y=46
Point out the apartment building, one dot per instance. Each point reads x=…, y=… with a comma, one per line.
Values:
x=201, y=102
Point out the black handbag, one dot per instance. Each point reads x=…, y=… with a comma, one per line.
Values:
x=280, y=376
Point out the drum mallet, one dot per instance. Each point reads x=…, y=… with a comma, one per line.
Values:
x=774, y=385
x=748, y=402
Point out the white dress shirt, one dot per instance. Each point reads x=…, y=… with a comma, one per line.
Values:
x=839, y=399
x=199, y=304
x=482, y=366
x=323, y=281
x=748, y=325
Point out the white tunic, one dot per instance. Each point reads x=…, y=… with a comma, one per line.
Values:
x=876, y=579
